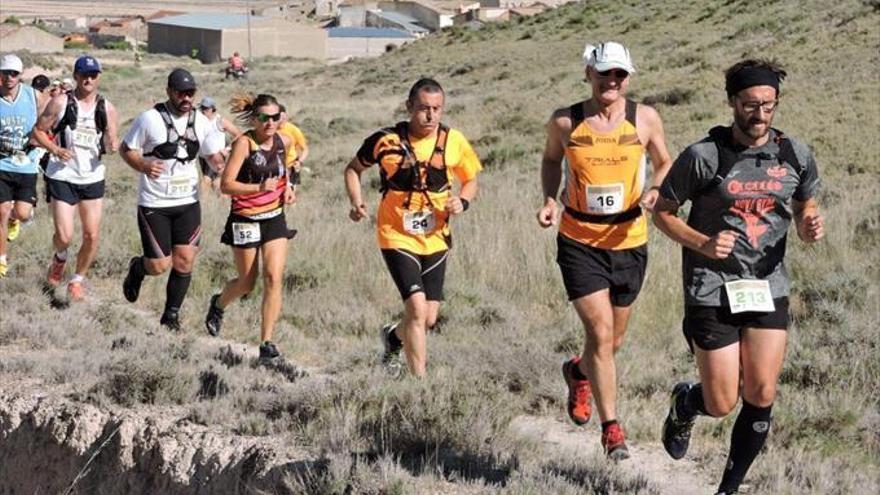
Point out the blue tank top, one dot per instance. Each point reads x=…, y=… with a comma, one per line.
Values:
x=17, y=120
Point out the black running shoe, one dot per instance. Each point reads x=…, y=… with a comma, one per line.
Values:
x=170, y=320
x=268, y=350
x=131, y=286
x=391, y=345
x=214, y=318
x=677, y=431
x=726, y=492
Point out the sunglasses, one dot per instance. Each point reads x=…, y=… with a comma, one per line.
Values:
x=265, y=117
x=90, y=75
x=618, y=73
x=189, y=92
x=10, y=73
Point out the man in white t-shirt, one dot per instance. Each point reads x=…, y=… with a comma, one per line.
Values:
x=84, y=124
x=163, y=145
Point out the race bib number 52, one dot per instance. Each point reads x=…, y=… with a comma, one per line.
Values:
x=245, y=233
x=605, y=199
x=749, y=295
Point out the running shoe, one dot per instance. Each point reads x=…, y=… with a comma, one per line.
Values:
x=726, y=492
x=268, y=350
x=131, y=286
x=214, y=318
x=676, y=434
x=75, y=291
x=170, y=320
x=56, y=271
x=391, y=345
x=14, y=229
x=4, y=267
x=614, y=443
x=579, y=393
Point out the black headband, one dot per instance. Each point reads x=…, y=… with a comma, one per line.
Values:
x=751, y=76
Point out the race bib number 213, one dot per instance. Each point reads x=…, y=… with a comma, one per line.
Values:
x=749, y=295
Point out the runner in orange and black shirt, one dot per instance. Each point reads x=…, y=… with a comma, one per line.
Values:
x=602, y=241
x=256, y=179
x=418, y=160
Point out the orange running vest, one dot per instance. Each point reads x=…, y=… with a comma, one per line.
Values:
x=604, y=178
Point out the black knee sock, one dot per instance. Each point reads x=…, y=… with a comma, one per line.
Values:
x=175, y=290
x=749, y=435
x=693, y=404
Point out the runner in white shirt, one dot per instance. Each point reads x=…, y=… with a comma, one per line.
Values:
x=163, y=146
x=85, y=125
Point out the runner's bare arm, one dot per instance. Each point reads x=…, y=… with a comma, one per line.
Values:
x=229, y=183
x=46, y=122
x=111, y=139
x=230, y=128
x=810, y=224
x=468, y=192
x=558, y=130
x=666, y=219
x=353, y=188
x=656, y=147
x=134, y=159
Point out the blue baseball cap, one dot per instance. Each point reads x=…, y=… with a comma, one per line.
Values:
x=86, y=64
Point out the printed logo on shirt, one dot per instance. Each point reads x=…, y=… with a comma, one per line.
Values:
x=777, y=172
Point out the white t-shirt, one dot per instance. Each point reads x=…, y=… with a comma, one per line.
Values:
x=85, y=167
x=179, y=183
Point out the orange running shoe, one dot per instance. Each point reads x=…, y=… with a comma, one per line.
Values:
x=56, y=271
x=614, y=442
x=75, y=291
x=579, y=393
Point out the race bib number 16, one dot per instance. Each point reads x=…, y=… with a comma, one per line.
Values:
x=749, y=295
x=606, y=199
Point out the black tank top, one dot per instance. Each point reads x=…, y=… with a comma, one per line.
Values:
x=263, y=164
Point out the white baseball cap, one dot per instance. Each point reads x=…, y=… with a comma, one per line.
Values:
x=607, y=56
x=10, y=61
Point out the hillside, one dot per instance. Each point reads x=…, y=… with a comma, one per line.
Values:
x=157, y=412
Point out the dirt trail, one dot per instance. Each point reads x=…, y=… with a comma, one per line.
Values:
x=671, y=477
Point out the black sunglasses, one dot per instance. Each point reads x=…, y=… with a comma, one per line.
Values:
x=265, y=117
x=187, y=92
x=10, y=73
x=618, y=73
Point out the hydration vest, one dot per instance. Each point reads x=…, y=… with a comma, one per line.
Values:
x=729, y=153
x=71, y=113
x=413, y=175
x=168, y=149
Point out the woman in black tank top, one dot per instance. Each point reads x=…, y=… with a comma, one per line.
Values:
x=256, y=179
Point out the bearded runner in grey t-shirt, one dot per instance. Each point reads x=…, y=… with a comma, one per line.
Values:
x=745, y=184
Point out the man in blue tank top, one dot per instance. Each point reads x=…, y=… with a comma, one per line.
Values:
x=18, y=172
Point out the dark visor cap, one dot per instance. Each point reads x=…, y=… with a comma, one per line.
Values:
x=181, y=80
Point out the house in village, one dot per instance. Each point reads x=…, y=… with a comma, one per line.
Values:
x=15, y=37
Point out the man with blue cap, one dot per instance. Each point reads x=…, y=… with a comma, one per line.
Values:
x=84, y=125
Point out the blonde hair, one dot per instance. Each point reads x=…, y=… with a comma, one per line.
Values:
x=244, y=105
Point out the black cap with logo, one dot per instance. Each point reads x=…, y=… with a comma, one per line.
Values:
x=181, y=80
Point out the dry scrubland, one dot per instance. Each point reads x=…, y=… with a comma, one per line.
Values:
x=506, y=325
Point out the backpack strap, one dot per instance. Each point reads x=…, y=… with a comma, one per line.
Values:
x=101, y=122
x=787, y=153
x=438, y=157
x=722, y=136
x=71, y=112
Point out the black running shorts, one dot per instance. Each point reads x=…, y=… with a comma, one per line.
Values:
x=162, y=228
x=586, y=269
x=714, y=327
x=417, y=273
x=73, y=193
x=18, y=187
x=239, y=234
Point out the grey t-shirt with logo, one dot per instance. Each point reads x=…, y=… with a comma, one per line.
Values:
x=754, y=200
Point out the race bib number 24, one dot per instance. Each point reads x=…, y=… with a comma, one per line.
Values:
x=419, y=222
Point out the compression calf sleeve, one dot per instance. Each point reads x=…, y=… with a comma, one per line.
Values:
x=175, y=290
x=749, y=435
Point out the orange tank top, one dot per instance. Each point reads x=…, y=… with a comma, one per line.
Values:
x=604, y=179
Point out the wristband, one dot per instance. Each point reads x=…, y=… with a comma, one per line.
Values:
x=465, y=204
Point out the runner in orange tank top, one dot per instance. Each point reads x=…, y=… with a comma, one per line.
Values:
x=602, y=240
